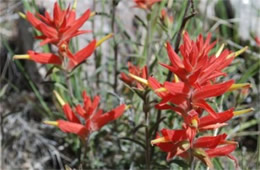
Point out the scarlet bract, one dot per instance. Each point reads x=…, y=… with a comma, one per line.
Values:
x=59, y=31
x=145, y=4
x=93, y=117
x=197, y=73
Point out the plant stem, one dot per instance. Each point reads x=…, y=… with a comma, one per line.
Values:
x=147, y=41
x=147, y=142
x=2, y=137
x=96, y=56
x=147, y=136
x=68, y=82
x=192, y=163
x=155, y=130
x=258, y=150
x=85, y=150
x=114, y=4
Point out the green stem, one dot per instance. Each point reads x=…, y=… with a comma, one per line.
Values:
x=192, y=163
x=147, y=142
x=258, y=150
x=85, y=151
x=147, y=135
x=155, y=130
x=147, y=41
x=96, y=56
x=68, y=82
x=115, y=43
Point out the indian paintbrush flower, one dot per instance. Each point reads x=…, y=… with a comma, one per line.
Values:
x=257, y=40
x=196, y=80
x=139, y=72
x=176, y=143
x=94, y=118
x=59, y=30
x=145, y=4
x=165, y=18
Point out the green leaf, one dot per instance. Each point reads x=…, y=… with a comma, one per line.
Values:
x=250, y=72
x=217, y=164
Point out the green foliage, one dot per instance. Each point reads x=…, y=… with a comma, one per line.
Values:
x=122, y=144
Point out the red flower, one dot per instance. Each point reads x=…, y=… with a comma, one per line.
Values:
x=197, y=72
x=44, y=58
x=93, y=117
x=81, y=56
x=176, y=143
x=183, y=97
x=165, y=18
x=145, y=4
x=257, y=40
x=49, y=58
x=209, y=122
x=197, y=68
x=195, y=82
x=61, y=28
x=58, y=31
x=140, y=72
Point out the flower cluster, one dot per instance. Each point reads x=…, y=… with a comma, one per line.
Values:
x=195, y=82
x=166, y=19
x=197, y=78
x=93, y=117
x=59, y=31
x=140, y=72
x=145, y=4
x=257, y=40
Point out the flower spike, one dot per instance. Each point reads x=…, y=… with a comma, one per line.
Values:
x=94, y=117
x=142, y=73
x=59, y=30
x=197, y=71
x=145, y=4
